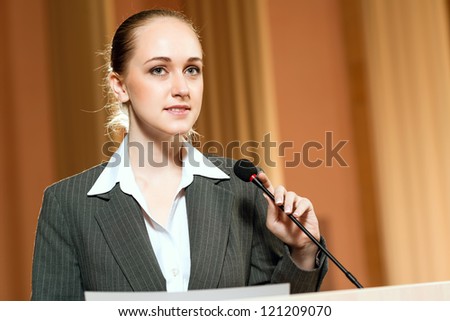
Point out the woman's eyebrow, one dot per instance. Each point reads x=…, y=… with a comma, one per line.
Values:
x=167, y=59
x=195, y=59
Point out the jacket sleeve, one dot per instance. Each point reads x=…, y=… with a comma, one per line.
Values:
x=271, y=261
x=55, y=273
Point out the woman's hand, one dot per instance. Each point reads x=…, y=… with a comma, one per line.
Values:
x=303, y=250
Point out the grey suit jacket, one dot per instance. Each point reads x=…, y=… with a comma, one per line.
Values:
x=100, y=243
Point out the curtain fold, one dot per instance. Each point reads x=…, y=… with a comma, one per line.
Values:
x=78, y=31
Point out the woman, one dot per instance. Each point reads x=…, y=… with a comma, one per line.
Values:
x=160, y=216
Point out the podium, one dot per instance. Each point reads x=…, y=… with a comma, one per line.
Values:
x=433, y=291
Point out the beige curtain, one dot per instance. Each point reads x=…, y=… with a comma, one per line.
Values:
x=79, y=31
x=407, y=44
x=357, y=69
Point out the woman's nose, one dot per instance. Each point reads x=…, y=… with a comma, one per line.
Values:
x=179, y=85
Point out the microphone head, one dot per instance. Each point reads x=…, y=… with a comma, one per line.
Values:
x=244, y=169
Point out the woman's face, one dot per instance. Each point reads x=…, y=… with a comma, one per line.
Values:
x=163, y=80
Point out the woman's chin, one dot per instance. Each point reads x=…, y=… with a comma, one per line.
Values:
x=179, y=131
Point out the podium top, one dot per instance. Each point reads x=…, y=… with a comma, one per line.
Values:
x=433, y=291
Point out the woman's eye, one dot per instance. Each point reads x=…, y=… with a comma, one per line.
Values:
x=193, y=71
x=158, y=71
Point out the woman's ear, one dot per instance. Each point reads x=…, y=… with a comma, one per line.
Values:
x=118, y=87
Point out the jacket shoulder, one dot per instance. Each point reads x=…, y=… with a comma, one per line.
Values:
x=82, y=182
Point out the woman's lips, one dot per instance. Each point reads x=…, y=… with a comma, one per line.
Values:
x=178, y=109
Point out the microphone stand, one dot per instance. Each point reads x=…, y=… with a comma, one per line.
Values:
x=352, y=279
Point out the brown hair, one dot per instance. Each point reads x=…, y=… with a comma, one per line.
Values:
x=119, y=53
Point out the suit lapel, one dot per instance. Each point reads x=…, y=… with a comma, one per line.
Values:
x=124, y=229
x=209, y=223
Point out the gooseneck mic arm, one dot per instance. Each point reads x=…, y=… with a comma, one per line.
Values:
x=245, y=170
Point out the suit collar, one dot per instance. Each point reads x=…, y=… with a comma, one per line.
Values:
x=123, y=227
x=118, y=170
x=209, y=225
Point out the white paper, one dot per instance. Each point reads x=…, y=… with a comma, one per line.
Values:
x=194, y=295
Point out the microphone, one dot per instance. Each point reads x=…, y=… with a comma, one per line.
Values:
x=245, y=170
